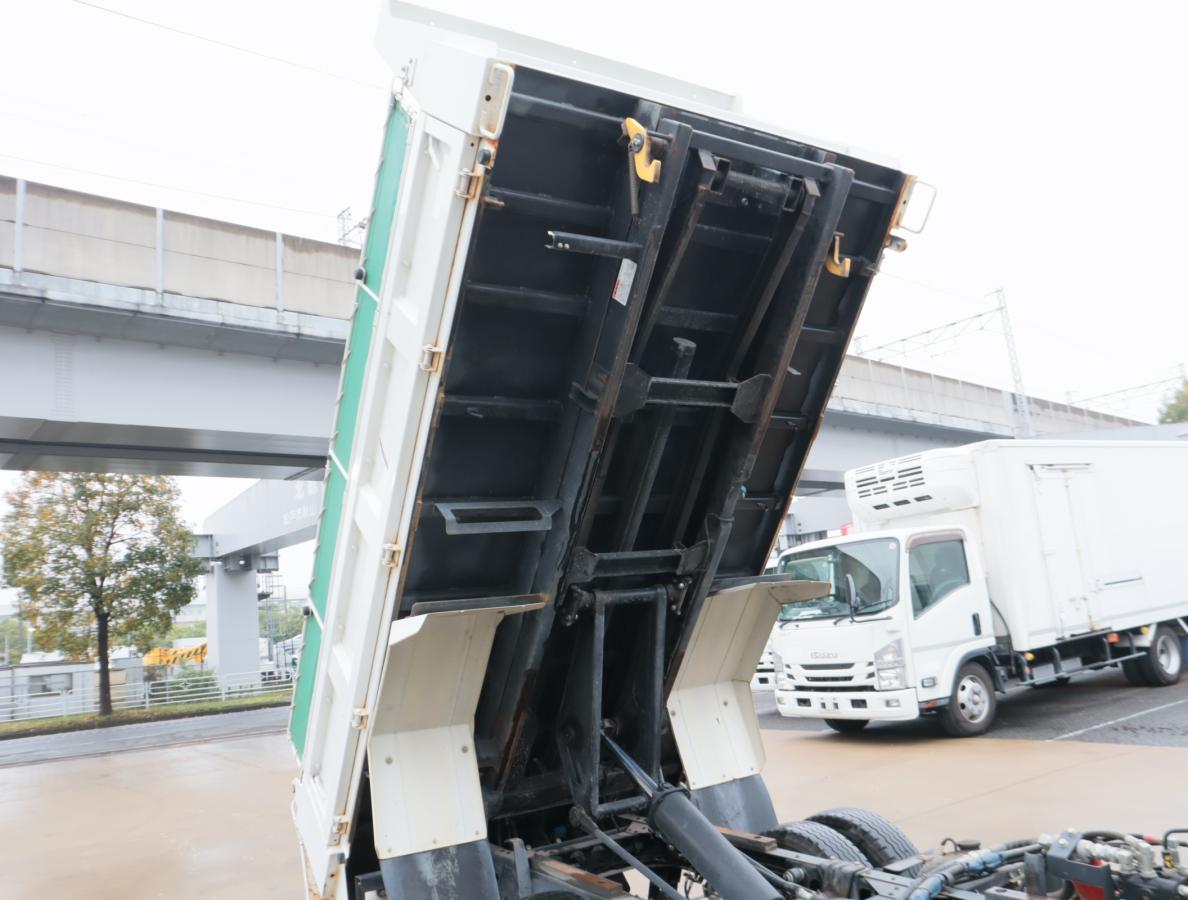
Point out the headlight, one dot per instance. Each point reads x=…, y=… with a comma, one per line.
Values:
x=890, y=655
x=891, y=674
x=891, y=679
x=777, y=664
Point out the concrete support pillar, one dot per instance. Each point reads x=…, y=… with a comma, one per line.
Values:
x=232, y=623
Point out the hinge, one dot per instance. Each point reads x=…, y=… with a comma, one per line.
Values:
x=359, y=718
x=431, y=356
x=468, y=182
x=391, y=555
x=338, y=828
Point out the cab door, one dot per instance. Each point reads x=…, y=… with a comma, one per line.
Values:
x=948, y=608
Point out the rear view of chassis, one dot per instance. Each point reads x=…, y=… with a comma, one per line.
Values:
x=839, y=853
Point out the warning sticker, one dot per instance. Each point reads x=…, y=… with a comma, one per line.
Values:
x=623, y=283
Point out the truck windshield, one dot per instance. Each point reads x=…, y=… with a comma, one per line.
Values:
x=873, y=566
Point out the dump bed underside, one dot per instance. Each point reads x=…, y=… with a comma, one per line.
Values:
x=627, y=401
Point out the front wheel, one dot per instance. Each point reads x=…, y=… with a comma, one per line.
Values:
x=972, y=704
x=847, y=726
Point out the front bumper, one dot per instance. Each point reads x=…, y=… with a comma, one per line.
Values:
x=878, y=706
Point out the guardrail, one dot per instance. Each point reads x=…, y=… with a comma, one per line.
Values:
x=71, y=235
x=191, y=687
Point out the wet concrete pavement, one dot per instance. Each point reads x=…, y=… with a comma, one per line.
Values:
x=142, y=736
x=207, y=821
x=211, y=820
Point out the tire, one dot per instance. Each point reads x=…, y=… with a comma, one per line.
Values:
x=971, y=705
x=847, y=726
x=1164, y=663
x=1133, y=670
x=880, y=840
x=815, y=839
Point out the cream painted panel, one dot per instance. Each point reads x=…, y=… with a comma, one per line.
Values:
x=710, y=706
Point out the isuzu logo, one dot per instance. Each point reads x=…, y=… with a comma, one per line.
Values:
x=822, y=654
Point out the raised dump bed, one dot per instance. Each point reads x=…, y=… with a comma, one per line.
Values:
x=598, y=321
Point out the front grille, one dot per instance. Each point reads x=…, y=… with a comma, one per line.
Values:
x=841, y=676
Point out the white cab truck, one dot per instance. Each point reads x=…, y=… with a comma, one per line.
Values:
x=972, y=569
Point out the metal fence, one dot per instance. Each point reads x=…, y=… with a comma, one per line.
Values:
x=187, y=687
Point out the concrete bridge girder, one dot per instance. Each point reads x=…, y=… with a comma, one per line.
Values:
x=242, y=539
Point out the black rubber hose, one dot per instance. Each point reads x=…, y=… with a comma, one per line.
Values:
x=932, y=883
x=1015, y=845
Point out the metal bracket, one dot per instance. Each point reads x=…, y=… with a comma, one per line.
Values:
x=391, y=554
x=497, y=516
x=585, y=565
x=431, y=357
x=640, y=147
x=835, y=263
x=744, y=399
x=469, y=181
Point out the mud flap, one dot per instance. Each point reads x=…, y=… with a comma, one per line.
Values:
x=427, y=805
x=711, y=708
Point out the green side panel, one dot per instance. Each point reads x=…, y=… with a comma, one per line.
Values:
x=306, y=678
x=319, y=585
x=383, y=211
x=379, y=230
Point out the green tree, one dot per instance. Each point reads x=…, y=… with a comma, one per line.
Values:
x=1176, y=407
x=98, y=559
x=186, y=630
x=12, y=640
x=280, y=623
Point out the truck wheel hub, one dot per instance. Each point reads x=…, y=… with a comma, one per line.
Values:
x=972, y=699
x=1167, y=653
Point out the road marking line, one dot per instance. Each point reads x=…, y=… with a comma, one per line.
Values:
x=1081, y=731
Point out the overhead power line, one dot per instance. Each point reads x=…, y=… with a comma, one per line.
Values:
x=1122, y=395
x=229, y=46
x=930, y=338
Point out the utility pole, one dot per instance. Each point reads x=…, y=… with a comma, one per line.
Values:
x=1022, y=402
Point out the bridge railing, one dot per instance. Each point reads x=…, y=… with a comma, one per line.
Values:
x=186, y=688
x=51, y=231
x=901, y=392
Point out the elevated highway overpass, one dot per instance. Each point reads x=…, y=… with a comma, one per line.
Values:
x=135, y=338
x=139, y=339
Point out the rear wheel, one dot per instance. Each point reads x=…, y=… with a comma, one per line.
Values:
x=1164, y=663
x=816, y=839
x=880, y=840
x=972, y=704
x=847, y=726
x=1133, y=670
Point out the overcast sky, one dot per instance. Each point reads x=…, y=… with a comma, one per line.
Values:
x=1053, y=133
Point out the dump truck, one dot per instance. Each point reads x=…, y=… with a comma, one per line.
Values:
x=974, y=569
x=599, y=315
